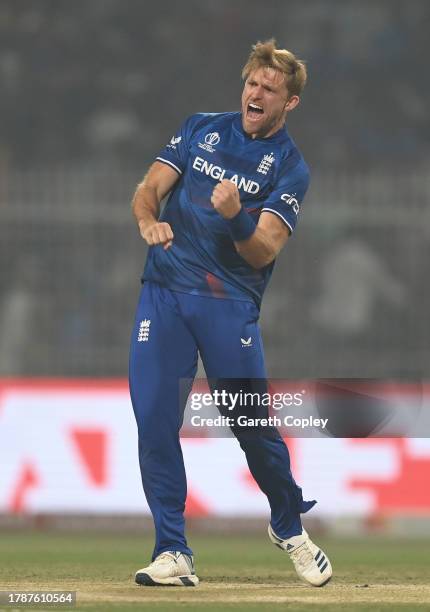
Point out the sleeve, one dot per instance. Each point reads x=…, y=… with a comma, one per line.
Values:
x=288, y=193
x=175, y=153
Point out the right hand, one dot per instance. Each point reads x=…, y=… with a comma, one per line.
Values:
x=157, y=233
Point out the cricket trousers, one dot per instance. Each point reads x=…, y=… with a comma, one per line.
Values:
x=169, y=331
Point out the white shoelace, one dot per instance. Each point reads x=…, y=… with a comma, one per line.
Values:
x=164, y=559
x=302, y=556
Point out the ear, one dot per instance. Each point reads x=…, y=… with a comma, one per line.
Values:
x=291, y=103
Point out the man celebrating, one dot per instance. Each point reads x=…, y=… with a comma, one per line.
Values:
x=236, y=181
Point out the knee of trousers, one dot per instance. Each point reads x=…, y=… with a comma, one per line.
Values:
x=156, y=442
x=157, y=406
x=271, y=447
x=256, y=437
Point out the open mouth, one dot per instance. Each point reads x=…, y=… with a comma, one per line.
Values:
x=254, y=111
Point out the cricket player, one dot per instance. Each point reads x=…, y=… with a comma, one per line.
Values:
x=236, y=182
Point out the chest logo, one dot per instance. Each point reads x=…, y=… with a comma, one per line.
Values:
x=211, y=140
x=266, y=163
x=218, y=173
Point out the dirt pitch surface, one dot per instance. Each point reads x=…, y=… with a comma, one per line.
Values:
x=237, y=573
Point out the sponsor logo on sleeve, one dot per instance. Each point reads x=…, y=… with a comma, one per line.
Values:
x=174, y=141
x=291, y=201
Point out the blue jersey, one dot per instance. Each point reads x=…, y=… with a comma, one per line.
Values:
x=270, y=174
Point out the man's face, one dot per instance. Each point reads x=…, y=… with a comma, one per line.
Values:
x=265, y=102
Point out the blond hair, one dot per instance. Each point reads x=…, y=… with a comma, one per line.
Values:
x=266, y=55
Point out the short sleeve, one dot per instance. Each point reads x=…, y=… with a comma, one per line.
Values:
x=288, y=193
x=175, y=153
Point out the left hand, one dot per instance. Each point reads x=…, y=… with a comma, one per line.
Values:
x=225, y=199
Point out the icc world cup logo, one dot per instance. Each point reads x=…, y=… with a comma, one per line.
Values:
x=212, y=138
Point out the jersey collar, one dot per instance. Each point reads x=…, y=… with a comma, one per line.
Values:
x=281, y=136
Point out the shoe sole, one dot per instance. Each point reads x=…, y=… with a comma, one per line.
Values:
x=183, y=581
x=322, y=584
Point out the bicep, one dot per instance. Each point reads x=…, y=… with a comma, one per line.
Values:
x=162, y=178
x=275, y=230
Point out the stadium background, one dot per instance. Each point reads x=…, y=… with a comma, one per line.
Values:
x=90, y=91
x=90, y=94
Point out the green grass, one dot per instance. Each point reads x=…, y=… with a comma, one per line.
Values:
x=237, y=573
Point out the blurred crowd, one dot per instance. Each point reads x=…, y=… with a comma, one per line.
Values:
x=109, y=79
x=91, y=90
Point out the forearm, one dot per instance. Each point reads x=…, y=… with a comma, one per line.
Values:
x=146, y=206
x=257, y=244
x=258, y=250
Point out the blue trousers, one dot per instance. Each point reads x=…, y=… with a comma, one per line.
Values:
x=170, y=329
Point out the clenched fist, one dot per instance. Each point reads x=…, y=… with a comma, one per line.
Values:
x=157, y=233
x=225, y=199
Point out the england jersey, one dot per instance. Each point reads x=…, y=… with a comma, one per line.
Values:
x=270, y=174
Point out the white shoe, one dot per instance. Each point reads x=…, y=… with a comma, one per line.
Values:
x=169, y=568
x=311, y=563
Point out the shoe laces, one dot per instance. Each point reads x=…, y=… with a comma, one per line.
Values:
x=302, y=556
x=164, y=559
